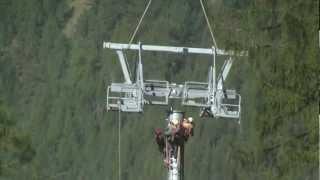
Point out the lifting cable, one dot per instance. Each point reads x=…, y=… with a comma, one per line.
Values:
x=139, y=23
x=119, y=141
x=136, y=30
x=209, y=25
x=146, y=10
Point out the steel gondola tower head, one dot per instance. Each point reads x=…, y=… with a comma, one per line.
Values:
x=210, y=97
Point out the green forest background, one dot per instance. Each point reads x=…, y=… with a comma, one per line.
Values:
x=54, y=73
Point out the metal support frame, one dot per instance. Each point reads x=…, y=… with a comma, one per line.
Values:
x=209, y=95
x=172, y=49
x=124, y=67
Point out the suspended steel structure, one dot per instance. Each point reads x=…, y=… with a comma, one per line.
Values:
x=210, y=95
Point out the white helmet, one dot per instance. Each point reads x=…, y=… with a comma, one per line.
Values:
x=190, y=119
x=175, y=121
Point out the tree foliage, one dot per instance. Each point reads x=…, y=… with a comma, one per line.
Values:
x=52, y=87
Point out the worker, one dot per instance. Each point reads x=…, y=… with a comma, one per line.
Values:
x=188, y=126
x=159, y=137
x=179, y=132
x=160, y=140
x=205, y=112
x=172, y=129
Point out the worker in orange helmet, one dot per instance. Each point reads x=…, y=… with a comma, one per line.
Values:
x=188, y=126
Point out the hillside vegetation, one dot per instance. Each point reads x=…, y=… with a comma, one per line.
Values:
x=53, y=123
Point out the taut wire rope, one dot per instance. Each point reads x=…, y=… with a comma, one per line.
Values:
x=119, y=141
x=146, y=10
x=137, y=29
x=209, y=25
x=140, y=21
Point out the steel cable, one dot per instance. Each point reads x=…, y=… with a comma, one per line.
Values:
x=209, y=25
x=140, y=21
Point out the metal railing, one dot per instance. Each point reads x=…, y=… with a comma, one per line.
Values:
x=190, y=99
